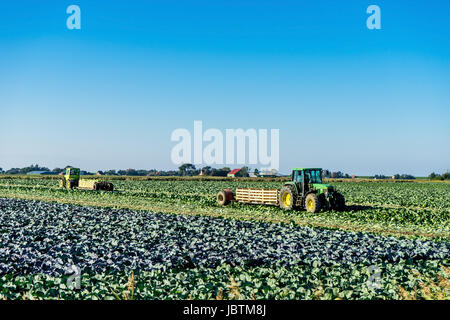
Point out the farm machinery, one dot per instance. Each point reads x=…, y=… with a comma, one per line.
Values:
x=305, y=190
x=71, y=180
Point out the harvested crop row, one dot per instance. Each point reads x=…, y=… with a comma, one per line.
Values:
x=424, y=195
x=37, y=237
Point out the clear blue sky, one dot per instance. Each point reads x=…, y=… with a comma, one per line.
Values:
x=109, y=95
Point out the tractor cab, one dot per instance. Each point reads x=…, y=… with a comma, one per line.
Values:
x=71, y=178
x=72, y=174
x=306, y=179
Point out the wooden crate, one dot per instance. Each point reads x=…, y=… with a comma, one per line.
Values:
x=257, y=196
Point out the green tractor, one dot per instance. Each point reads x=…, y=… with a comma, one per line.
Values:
x=71, y=180
x=307, y=191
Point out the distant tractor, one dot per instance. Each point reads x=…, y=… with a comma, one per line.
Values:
x=71, y=180
x=305, y=191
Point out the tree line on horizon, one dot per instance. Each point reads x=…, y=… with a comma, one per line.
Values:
x=189, y=169
x=435, y=176
x=184, y=170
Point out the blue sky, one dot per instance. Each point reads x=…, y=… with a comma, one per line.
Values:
x=109, y=95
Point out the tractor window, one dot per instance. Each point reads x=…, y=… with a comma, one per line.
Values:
x=315, y=176
x=307, y=177
x=298, y=176
x=72, y=172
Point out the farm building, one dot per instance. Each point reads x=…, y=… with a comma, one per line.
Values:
x=234, y=173
x=41, y=173
x=269, y=173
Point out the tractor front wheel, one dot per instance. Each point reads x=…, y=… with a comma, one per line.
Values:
x=312, y=203
x=288, y=198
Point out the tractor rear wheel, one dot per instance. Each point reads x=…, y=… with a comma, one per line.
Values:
x=338, y=202
x=312, y=203
x=323, y=202
x=288, y=197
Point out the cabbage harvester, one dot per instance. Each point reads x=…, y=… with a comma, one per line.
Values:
x=71, y=180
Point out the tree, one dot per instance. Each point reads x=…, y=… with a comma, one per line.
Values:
x=131, y=172
x=186, y=169
x=13, y=171
x=33, y=167
x=404, y=176
x=244, y=171
x=220, y=172
x=142, y=172
x=169, y=173
x=206, y=171
x=434, y=176
x=336, y=174
x=256, y=172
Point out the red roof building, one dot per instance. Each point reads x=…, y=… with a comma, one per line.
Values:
x=233, y=173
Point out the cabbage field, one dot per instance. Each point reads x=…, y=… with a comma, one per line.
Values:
x=162, y=239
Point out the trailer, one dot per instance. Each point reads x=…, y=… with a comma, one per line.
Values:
x=250, y=196
x=258, y=196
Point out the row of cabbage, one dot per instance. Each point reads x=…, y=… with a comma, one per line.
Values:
x=425, y=280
